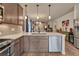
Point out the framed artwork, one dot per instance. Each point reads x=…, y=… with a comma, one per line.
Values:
x=65, y=24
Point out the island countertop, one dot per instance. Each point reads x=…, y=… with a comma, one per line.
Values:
x=15, y=36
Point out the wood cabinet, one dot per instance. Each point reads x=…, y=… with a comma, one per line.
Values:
x=26, y=43
x=12, y=13
x=20, y=15
x=43, y=44
x=36, y=43
x=19, y=46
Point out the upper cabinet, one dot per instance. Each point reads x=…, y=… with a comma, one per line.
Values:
x=12, y=13
x=20, y=14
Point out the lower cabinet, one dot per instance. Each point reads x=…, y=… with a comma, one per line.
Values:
x=26, y=43
x=55, y=43
x=36, y=43
x=19, y=46
x=43, y=44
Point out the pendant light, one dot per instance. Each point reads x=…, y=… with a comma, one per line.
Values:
x=26, y=12
x=37, y=12
x=49, y=12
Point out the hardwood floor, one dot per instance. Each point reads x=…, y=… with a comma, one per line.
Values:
x=69, y=48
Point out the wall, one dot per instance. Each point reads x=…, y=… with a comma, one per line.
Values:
x=76, y=11
x=58, y=22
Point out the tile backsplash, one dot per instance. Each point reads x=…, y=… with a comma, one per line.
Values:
x=7, y=29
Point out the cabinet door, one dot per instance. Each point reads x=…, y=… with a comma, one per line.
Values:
x=43, y=44
x=17, y=47
x=10, y=13
x=21, y=45
x=59, y=43
x=34, y=44
x=26, y=43
x=54, y=43
x=20, y=15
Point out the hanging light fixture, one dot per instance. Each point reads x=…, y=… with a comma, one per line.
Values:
x=49, y=12
x=37, y=12
x=26, y=12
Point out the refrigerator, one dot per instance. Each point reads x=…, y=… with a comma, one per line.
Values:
x=27, y=25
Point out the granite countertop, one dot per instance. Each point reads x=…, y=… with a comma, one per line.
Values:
x=16, y=36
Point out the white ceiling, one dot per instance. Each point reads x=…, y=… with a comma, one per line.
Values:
x=57, y=10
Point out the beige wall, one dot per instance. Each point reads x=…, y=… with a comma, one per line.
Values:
x=58, y=22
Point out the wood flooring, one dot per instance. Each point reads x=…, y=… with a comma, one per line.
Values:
x=69, y=48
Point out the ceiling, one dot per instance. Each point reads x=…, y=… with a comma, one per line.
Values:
x=56, y=10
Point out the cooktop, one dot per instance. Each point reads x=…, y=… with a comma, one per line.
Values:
x=4, y=42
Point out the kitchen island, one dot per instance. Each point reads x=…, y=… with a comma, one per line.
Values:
x=45, y=42
x=38, y=42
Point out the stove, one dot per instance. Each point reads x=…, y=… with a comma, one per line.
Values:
x=4, y=42
x=6, y=47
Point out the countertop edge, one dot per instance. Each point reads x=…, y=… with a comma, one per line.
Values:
x=18, y=35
